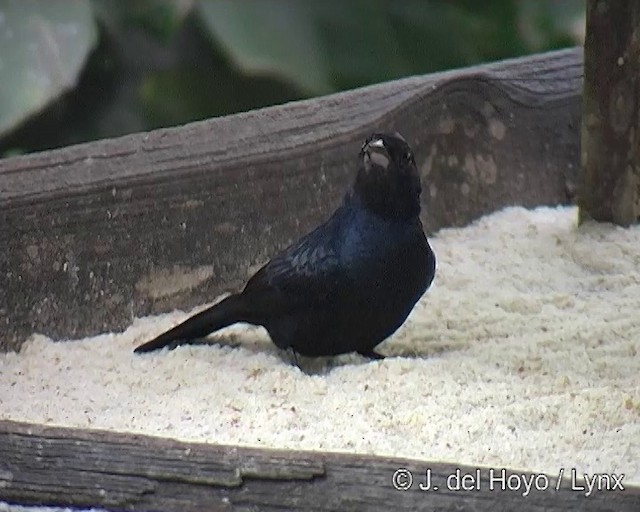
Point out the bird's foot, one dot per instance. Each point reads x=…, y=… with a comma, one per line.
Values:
x=293, y=357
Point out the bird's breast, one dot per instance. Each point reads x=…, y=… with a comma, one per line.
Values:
x=392, y=257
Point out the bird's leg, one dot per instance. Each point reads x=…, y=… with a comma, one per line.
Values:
x=371, y=354
x=293, y=356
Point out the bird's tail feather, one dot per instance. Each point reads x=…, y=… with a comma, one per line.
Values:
x=223, y=314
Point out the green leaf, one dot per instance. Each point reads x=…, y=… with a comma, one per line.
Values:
x=271, y=36
x=547, y=24
x=160, y=18
x=43, y=47
x=340, y=44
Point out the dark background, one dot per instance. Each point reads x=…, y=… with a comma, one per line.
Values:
x=78, y=70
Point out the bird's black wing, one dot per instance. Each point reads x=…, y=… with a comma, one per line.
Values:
x=306, y=275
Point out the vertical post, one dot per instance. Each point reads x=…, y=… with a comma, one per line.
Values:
x=610, y=142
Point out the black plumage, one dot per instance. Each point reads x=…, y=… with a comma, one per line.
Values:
x=348, y=284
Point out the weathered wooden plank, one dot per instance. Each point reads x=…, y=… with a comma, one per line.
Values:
x=95, y=234
x=611, y=140
x=71, y=467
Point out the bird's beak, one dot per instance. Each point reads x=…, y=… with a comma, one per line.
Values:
x=376, y=154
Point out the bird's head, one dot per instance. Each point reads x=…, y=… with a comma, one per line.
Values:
x=388, y=182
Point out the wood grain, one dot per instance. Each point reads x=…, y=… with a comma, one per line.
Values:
x=96, y=234
x=117, y=471
x=611, y=140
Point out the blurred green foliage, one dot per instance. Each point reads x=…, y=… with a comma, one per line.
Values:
x=43, y=47
x=82, y=70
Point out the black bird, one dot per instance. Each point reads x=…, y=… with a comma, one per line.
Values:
x=351, y=282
